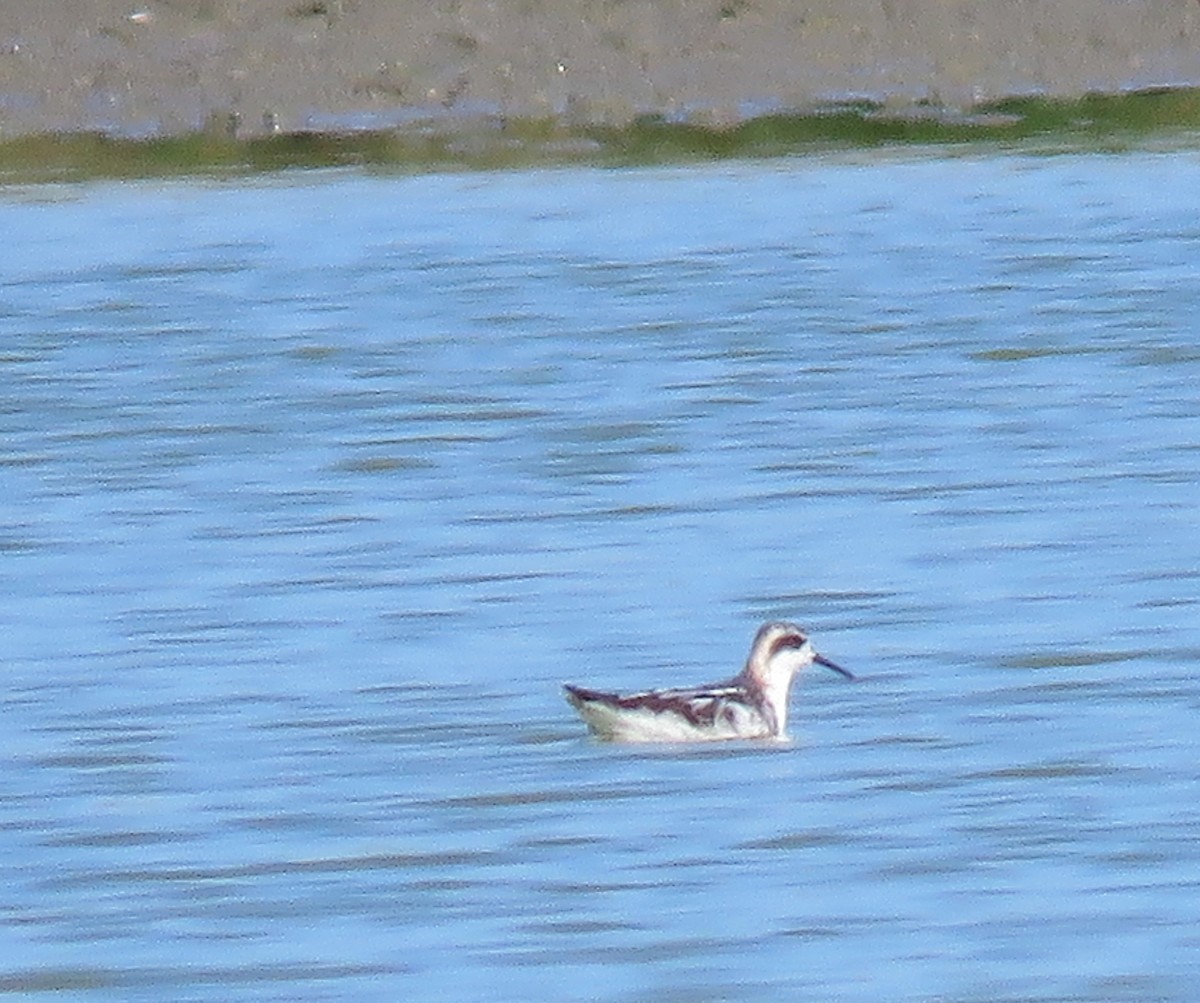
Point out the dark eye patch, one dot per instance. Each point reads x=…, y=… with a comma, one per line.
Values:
x=789, y=641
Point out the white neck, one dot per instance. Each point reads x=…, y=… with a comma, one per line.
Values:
x=774, y=678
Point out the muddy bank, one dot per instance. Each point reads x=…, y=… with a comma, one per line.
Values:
x=250, y=67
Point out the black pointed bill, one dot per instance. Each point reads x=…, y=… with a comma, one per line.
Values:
x=822, y=660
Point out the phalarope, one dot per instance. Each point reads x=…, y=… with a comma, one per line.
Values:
x=753, y=704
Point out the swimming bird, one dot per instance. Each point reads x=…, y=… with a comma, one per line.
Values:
x=753, y=704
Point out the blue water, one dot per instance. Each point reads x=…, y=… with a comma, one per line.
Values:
x=315, y=487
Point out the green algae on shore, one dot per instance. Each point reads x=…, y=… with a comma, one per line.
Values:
x=1095, y=121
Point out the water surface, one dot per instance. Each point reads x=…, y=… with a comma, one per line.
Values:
x=316, y=487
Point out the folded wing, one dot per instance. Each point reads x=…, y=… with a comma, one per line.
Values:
x=704, y=714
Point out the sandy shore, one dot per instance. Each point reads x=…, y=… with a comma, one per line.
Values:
x=164, y=67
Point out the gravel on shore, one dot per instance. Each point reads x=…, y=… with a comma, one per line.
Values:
x=152, y=68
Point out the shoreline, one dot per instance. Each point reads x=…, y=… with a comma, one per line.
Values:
x=150, y=69
x=1165, y=118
